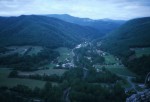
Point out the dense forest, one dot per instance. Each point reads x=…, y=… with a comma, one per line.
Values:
x=81, y=90
x=43, y=31
x=28, y=62
x=134, y=33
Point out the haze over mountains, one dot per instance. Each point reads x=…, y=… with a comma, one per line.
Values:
x=41, y=30
x=64, y=30
x=103, y=25
x=52, y=32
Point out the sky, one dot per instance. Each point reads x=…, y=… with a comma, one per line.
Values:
x=94, y=9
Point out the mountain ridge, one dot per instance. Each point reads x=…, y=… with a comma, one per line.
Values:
x=103, y=25
x=134, y=33
x=43, y=30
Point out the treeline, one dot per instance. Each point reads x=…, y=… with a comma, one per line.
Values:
x=90, y=89
x=69, y=76
x=79, y=89
x=28, y=62
x=3, y=50
x=21, y=93
x=45, y=77
x=86, y=92
x=103, y=76
x=140, y=66
x=93, y=76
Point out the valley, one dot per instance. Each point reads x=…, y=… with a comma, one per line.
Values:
x=65, y=61
x=68, y=60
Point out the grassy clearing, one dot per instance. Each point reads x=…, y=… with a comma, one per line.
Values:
x=10, y=82
x=142, y=51
x=50, y=71
x=35, y=50
x=118, y=69
x=23, y=49
x=112, y=65
x=110, y=59
x=65, y=53
x=121, y=71
x=50, y=66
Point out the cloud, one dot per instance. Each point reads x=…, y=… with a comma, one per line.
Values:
x=96, y=9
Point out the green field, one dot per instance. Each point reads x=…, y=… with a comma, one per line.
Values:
x=110, y=59
x=35, y=50
x=121, y=71
x=50, y=71
x=65, y=53
x=22, y=50
x=142, y=51
x=50, y=65
x=10, y=82
x=117, y=69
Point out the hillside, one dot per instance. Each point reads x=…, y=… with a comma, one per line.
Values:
x=134, y=33
x=41, y=30
x=103, y=25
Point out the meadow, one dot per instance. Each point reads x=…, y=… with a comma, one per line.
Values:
x=49, y=71
x=142, y=51
x=23, y=49
x=110, y=59
x=11, y=82
x=65, y=53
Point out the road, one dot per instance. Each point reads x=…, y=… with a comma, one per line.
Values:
x=129, y=79
x=85, y=73
x=66, y=95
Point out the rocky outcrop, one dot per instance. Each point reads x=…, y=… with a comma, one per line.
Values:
x=140, y=97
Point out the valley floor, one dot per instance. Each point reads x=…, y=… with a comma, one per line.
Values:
x=69, y=59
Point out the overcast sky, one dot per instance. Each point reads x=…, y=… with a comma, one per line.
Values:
x=95, y=9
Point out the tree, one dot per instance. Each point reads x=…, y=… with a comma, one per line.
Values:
x=13, y=74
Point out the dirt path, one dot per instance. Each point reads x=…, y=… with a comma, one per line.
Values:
x=66, y=95
x=85, y=73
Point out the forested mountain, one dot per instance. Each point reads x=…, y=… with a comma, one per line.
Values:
x=41, y=30
x=103, y=25
x=134, y=33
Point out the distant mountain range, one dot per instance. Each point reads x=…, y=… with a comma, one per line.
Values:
x=103, y=25
x=134, y=33
x=42, y=30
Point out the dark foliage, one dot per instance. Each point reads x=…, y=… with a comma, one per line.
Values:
x=27, y=62
x=43, y=31
x=134, y=33
x=85, y=92
x=140, y=66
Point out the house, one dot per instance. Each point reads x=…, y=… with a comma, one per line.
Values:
x=57, y=65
